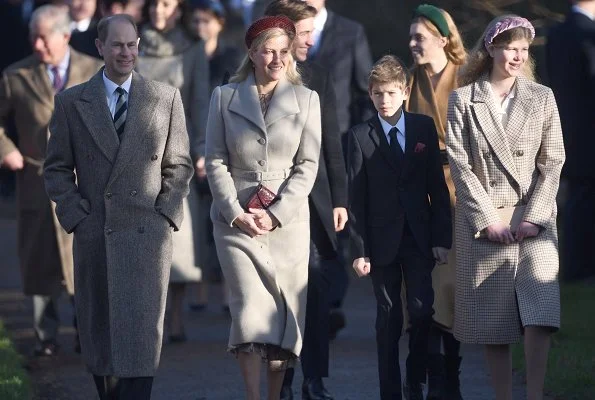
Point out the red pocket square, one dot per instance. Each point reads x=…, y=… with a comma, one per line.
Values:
x=419, y=147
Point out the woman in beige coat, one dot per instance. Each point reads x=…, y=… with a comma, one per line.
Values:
x=264, y=128
x=438, y=53
x=505, y=149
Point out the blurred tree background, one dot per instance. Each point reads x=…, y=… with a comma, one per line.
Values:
x=387, y=21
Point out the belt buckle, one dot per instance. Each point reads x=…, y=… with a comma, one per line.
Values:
x=258, y=176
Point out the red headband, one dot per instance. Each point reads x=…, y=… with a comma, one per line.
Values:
x=266, y=23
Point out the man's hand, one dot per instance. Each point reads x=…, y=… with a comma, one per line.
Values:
x=340, y=218
x=362, y=266
x=440, y=254
x=264, y=219
x=14, y=161
x=526, y=230
x=200, y=169
x=498, y=232
x=246, y=222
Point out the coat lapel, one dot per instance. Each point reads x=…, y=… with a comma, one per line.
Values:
x=142, y=101
x=38, y=81
x=245, y=103
x=283, y=103
x=484, y=109
x=520, y=111
x=379, y=139
x=410, y=140
x=92, y=107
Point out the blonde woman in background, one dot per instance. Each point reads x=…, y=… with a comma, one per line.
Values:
x=438, y=53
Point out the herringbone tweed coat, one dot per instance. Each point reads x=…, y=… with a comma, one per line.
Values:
x=267, y=275
x=122, y=206
x=502, y=288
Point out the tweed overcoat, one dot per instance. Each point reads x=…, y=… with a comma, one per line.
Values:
x=502, y=288
x=26, y=94
x=267, y=275
x=126, y=198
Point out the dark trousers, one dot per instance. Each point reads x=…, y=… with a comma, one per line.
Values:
x=579, y=230
x=415, y=268
x=113, y=388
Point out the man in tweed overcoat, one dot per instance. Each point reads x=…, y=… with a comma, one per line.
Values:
x=122, y=205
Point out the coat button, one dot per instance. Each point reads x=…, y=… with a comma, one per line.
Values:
x=262, y=163
x=141, y=229
x=109, y=231
x=108, y=196
x=133, y=193
x=262, y=141
x=154, y=157
x=492, y=183
x=519, y=153
x=487, y=154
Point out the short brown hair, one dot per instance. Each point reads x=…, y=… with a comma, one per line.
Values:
x=104, y=23
x=295, y=10
x=388, y=69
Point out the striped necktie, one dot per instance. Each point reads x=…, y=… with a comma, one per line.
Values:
x=57, y=84
x=121, y=111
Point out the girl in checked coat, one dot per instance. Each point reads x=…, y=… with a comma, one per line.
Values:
x=264, y=127
x=505, y=149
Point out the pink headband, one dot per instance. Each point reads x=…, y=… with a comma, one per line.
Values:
x=507, y=24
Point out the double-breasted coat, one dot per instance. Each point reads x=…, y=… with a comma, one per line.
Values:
x=267, y=275
x=502, y=288
x=126, y=198
x=26, y=94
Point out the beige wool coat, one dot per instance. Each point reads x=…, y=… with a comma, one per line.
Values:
x=502, y=288
x=267, y=275
x=44, y=248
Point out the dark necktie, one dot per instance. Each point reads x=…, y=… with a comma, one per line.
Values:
x=57, y=84
x=121, y=111
x=394, y=143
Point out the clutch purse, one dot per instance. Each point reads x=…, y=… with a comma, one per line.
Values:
x=262, y=198
x=511, y=216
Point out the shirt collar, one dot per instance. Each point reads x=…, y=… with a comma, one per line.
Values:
x=580, y=10
x=63, y=65
x=81, y=25
x=400, y=125
x=110, y=87
x=320, y=19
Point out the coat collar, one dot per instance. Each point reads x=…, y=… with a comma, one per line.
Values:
x=245, y=102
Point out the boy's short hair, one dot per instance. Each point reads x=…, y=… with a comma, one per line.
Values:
x=295, y=10
x=389, y=69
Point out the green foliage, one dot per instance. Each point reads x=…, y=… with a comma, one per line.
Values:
x=14, y=381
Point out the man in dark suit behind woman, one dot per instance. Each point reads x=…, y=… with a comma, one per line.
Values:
x=570, y=56
x=328, y=212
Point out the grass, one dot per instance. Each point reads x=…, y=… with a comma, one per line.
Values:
x=14, y=381
x=571, y=366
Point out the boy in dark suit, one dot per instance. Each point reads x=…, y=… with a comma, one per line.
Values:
x=401, y=221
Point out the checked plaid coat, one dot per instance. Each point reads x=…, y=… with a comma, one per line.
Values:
x=501, y=288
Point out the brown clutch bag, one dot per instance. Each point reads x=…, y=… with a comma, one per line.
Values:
x=262, y=198
x=511, y=216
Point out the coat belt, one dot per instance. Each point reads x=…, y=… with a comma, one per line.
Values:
x=259, y=176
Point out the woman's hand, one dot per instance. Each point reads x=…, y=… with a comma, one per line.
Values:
x=498, y=232
x=264, y=219
x=247, y=223
x=526, y=230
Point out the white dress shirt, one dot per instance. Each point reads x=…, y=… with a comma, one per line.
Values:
x=62, y=68
x=81, y=25
x=110, y=92
x=319, y=21
x=503, y=107
x=400, y=125
x=579, y=10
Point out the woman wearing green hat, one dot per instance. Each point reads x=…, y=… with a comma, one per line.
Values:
x=438, y=52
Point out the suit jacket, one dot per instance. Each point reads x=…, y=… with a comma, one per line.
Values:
x=494, y=166
x=27, y=99
x=385, y=192
x=122, y=206
x=345, y=53
x=570, y=57
x=330, y=187
x=85, y=41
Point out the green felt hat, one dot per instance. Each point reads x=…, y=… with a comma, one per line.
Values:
x=435, y=16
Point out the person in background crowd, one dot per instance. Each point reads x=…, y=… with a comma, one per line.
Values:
x=349, y=72
x=27, y=98
x=169, y=54
x=126, y=138
x=505, y=150
x=134, y=8
x=438, y=52
x=328, y=212
x=570, y=59
x=400, y=222
x=84, y=26
x=207, y=23
x=263, y=136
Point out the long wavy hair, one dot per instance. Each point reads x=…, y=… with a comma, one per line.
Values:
x=454, y=49
x=479, y=61
x=247, y=67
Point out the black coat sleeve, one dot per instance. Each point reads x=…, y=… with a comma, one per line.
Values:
x=358, y=192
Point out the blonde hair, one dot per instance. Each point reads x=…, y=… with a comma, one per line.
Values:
x=388, y=69
x=246, y=67
x=479, y=61
x=455, y=48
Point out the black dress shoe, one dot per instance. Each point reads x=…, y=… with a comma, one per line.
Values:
x=286, y=393
x=46, y=349
x=413, y=391
x=313, y=389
